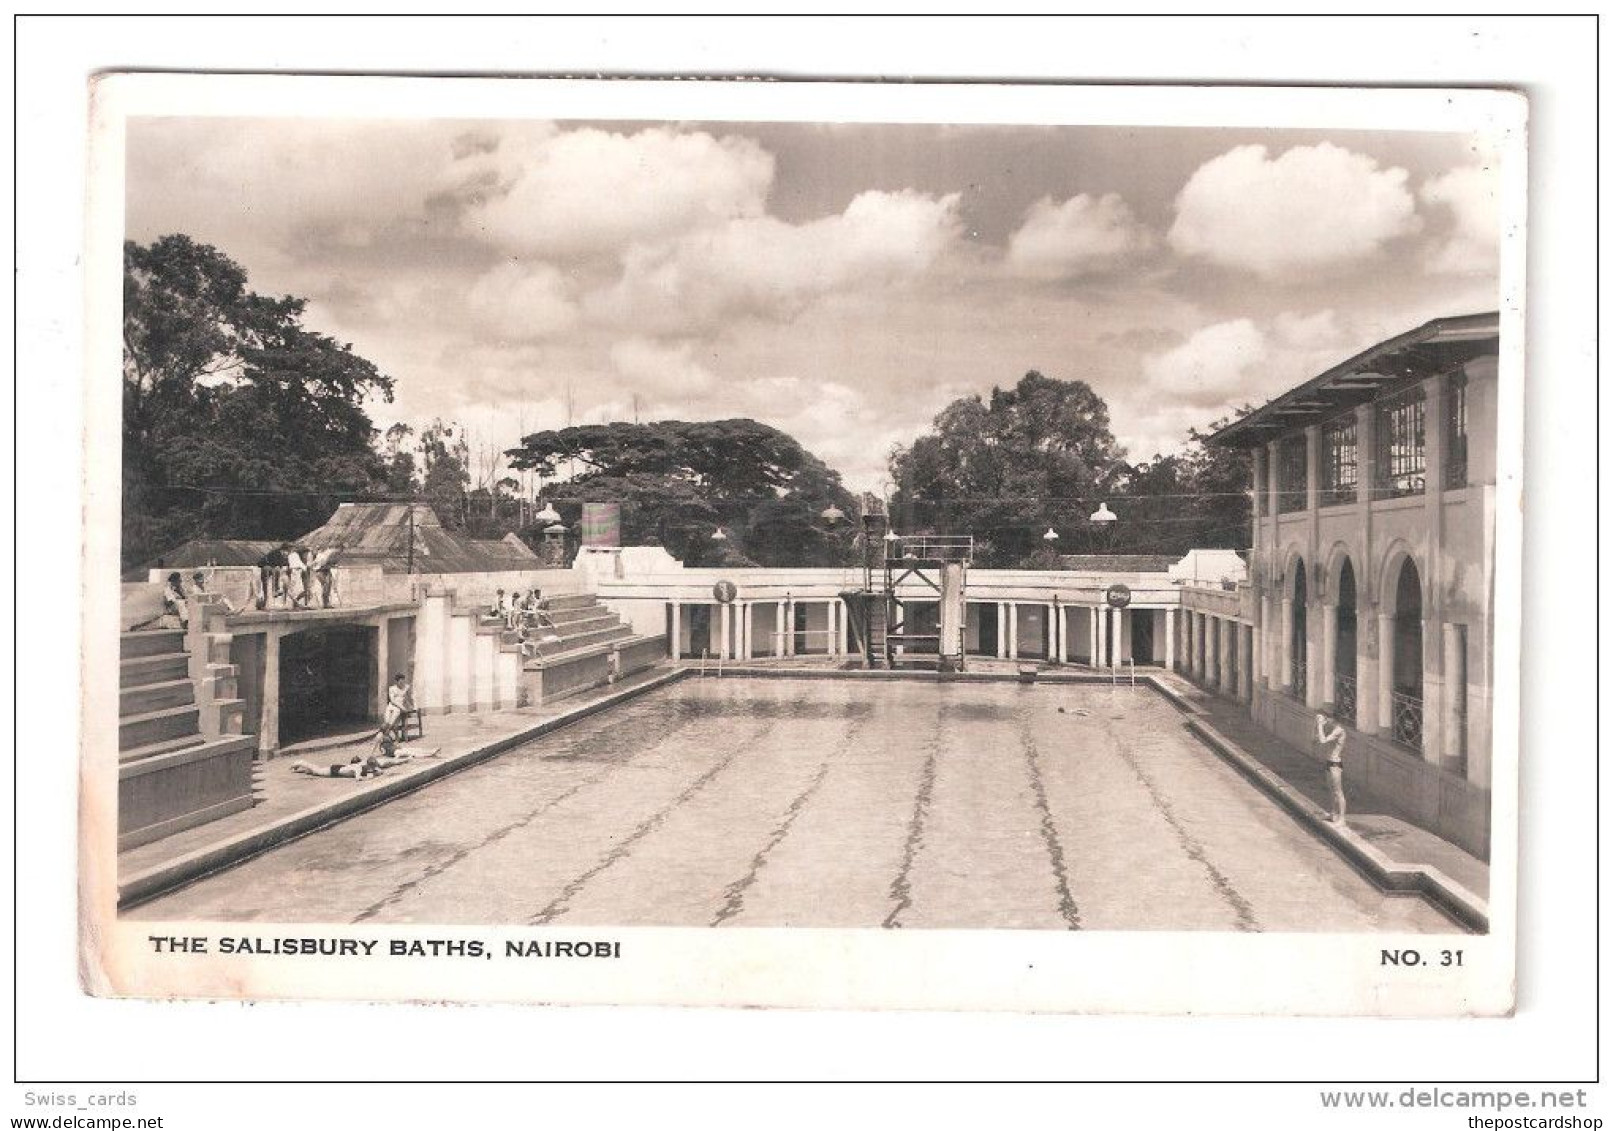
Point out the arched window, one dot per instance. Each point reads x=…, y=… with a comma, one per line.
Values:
x=1296, y=635
x=1407, y=657
x=1344, y=689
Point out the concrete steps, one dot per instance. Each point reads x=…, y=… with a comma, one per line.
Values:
x=155, y=696
x=155, y=726
x=157, y=749
x=143, y=670
x=151, y=642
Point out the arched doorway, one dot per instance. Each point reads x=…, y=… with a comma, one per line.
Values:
x=1344, y=638
x=1406, y=658
x=1297, y=634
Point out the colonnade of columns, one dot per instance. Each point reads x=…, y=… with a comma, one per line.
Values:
x=1218, y=653
x=735, y=634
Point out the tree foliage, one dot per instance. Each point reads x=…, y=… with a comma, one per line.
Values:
x=1005, y=469
x=1195, y=499
x=238, y=420
x=680, y=481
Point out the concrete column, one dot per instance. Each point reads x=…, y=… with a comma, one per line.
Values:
x=1246, y=660
x=1330, y=644
x=382, y=678
x=1170, y=639
x=1092, y=635
x=1061, y=619
x=1386, y=675
x=1285, y=645
x=1313, y=664
x=845, y=636
x=1224, y=662
x=1002, y=631
x=1013, y=630
x=726, y=651
x=1455, y=673
x=1433, y=689
x=1212, y=651
x=778, y=629
x=675, y=645
x=1104, y=643
x=746, y=624
x=269, y=711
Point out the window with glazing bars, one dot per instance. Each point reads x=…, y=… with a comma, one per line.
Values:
x=1401, y=458
x=1456, y=430
x=1338, y=462
x=1291, y=474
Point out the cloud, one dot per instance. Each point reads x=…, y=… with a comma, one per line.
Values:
x=661, y=371
x=1085, y=234
x=1210, y=369
x=523, y=302
x=1469, y=195
x=1321, y=330
x=558, y=193
x=765, y=267
x=1313, y=207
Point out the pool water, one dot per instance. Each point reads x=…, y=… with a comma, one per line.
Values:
x=830, y=803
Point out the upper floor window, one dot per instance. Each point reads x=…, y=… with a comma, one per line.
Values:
x=1339, y=462
x=1401, y=456
x=1291, y=474
x=1456, y=430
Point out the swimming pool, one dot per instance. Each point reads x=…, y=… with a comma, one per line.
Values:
x=830, y=803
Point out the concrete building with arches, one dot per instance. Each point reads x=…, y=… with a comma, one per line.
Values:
x=1371, y=593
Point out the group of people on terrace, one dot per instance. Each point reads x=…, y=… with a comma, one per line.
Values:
x=295, y=577
x=526, y=618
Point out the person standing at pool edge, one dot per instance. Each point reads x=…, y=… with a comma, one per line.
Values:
x=1330, y=736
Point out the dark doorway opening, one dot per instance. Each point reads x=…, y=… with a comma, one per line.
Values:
x=1142, y=635
x=327, y=681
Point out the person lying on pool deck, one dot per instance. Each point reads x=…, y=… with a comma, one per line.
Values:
x=356, y=769
x=360, y=768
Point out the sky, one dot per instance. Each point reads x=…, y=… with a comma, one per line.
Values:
x=842, y=282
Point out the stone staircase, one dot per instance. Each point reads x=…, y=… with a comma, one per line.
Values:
x=182, y=759
x=581, y=644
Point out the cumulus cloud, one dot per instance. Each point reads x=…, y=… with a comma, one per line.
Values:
x=1083, y=235
x=661, y=371
x=523, y=302
x=1320, y=330
x=1313, y=207
x=556, y=192
x=766, y=267
x=1210, y=369
x=1469, y=196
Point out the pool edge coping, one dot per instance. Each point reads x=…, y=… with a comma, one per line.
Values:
x=160, y=879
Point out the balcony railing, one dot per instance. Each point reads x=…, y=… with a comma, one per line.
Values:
x=1408, y=720
x=1344, y=697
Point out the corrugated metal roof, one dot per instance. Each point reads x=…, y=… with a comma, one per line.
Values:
x=200, y=552
x=399, y=537
x=1118, y=563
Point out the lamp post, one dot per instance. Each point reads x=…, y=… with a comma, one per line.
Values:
x=1104, y=519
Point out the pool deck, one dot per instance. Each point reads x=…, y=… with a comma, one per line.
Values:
x=1377, y=840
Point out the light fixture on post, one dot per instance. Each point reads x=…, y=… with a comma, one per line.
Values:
x=1051, y=536
x=1103, y=515
x=548, y=516
x=719, y=535
x=832, y=514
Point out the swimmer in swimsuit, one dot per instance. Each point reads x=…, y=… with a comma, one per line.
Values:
x=357, y=769
x=1330, y=736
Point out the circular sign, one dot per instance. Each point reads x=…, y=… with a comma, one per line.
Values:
x=1118, y=596
x=725, y=592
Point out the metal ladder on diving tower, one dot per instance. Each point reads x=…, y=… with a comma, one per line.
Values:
x=938, y=564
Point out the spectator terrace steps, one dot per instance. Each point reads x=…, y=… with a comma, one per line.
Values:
x=171, y=775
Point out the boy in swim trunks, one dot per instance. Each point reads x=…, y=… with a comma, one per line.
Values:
x=1330, y=737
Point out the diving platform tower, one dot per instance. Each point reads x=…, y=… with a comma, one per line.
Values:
x=916, y=618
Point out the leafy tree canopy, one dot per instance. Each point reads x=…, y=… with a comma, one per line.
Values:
x=679, y=481
x=1040, y=454
x=239, y=421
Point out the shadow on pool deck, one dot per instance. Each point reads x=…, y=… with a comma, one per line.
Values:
x=1384, y=825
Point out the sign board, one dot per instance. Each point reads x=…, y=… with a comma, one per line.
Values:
x=1118, y=596
x=602, y=525
x=725, y=592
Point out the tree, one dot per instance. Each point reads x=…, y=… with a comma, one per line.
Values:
x=1195, y=499
x=1040, y=454
x=239, y=421
x=679, y=481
